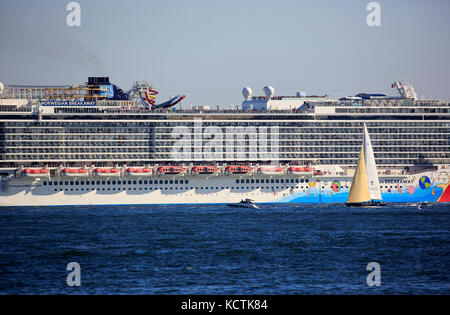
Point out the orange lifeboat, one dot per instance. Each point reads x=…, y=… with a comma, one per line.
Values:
x=300, y=170
x=36, y=173
x=171, y=170
x=138, y=172
x=270, y=170
x=107, y=172
x=205, y=170
x=75, y=172
x=238, y=169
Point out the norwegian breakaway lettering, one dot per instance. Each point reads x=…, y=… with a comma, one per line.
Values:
x=68, y=103
x=396, y=181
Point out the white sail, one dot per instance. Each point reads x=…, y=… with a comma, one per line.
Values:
x=371, y=168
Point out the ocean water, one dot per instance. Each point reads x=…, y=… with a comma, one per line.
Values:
x=215, y=249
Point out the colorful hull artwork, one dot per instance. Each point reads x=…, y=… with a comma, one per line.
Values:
x=177, y=189
x=422, y=191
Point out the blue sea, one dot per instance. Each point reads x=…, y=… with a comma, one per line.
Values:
x=215, y=249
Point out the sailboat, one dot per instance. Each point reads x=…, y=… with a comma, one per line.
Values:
x=365, y=190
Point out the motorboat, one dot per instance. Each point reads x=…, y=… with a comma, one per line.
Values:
x=245, y=203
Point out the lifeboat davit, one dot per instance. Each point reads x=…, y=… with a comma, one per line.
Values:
x=139, y=171
x=238, y=170
x=205, y=170
x=75, y=172
x=270, y=170
x=171, y=170
x=300, y=170
x=36, y=173
x=107, y=172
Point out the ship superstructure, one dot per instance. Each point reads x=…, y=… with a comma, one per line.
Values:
x=96, y=144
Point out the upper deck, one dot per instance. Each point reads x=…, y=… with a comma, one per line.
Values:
x=348, y=110
x=309, y=130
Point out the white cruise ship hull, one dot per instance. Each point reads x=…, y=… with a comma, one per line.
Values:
x=422, y=187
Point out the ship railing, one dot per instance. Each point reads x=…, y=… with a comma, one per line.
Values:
x=392, y=173
x=219, y=111
x=422, y=169
x=15, y=109
x=386, y=103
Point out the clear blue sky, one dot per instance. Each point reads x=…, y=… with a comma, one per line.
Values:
x=210, y=49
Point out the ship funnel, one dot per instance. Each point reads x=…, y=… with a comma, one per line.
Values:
x=247, y=92
x=269, y=91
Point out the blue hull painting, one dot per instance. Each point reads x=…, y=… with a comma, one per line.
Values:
x=430, y=194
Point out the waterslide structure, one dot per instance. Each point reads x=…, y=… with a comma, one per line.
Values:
x=148, y=97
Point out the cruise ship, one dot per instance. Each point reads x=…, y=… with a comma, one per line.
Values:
x=96, y=144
